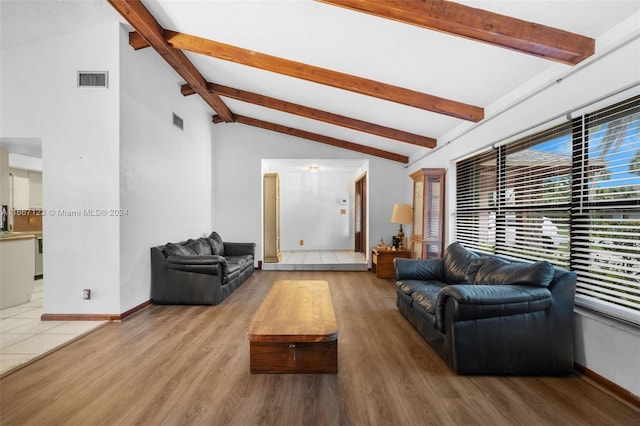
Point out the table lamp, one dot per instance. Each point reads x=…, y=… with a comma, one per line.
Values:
x=402, y=215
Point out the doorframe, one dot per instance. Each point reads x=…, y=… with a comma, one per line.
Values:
x=360, y=214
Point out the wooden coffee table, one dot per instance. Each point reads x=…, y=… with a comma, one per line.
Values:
x=294, y=330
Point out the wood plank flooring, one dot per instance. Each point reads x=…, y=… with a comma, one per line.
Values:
x=171, y=365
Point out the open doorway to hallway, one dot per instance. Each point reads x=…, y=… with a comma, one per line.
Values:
x=317, y=214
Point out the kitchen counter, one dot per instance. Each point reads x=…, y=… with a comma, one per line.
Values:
x=12, y=236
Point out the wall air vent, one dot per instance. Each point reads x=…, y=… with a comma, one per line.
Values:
x=178, y=122
x=93, y=79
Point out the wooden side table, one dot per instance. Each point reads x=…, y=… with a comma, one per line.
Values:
x=382, y=261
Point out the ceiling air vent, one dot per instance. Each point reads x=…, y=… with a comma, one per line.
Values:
x=178, y=122
x=93, y=79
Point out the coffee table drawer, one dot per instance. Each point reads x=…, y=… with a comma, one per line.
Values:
x=298, y=357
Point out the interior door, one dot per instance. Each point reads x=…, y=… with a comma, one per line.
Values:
x=360, y=226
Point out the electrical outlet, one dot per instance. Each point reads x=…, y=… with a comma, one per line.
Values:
x=86, y=293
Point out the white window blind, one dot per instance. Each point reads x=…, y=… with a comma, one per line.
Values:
x=569, y=195
x=535, y=202
x=606, y=232
x=476, y=204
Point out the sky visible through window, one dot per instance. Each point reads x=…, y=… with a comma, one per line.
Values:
x=621, y=156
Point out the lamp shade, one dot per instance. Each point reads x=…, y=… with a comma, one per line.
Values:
x=401, y=214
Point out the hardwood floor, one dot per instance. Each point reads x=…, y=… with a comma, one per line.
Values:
x=173, y=365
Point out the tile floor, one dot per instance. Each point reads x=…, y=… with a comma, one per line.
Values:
x=23, y=337
x=319, y=260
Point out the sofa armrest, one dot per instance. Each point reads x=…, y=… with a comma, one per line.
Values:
x=473, y=302
x=417, y=269
x=238, y=249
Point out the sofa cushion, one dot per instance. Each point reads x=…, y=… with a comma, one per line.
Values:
x=426, y=300
x=217, y=246
x=233, y=270
x=237, y=264
x=243, y=259
x=498, y=271
x=424, y=316
x=460, y=264
x=409, y=286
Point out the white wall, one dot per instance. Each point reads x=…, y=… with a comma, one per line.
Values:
x=79, y=133
x=309, y=210
x=113, y=149
x=604, y=346
x=237, y=176
x=165, y=172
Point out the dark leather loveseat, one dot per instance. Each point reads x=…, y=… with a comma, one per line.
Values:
x=203, y=271
x=484, y=314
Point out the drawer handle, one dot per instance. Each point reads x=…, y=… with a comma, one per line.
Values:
x=292, y=352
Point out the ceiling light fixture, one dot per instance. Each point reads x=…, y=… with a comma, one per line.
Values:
x=313, y=169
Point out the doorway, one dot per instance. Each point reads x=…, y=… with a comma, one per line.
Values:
x=317, y=208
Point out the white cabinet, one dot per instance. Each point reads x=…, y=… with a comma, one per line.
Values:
x=20, y=193
x=25, y=189
x=17, y=267
x=35, y=190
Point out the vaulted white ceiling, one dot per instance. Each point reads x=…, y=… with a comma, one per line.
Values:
x=346, y=41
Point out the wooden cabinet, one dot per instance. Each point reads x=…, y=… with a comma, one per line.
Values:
x=427, y=239
x=271, y=207
x=382, y=261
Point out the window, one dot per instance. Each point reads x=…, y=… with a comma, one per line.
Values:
x=569, y=195
x=606, y=213
x=535, y=197
x=476, y=190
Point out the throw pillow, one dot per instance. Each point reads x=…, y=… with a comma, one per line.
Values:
x=199, y=247
x=217, y=246
x=173, y=249
x=502, y=272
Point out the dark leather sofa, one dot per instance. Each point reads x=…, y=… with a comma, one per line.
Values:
x=484, y=314
x=203, y=271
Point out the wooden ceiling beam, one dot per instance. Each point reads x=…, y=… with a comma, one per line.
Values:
x=481, y=25
x=137, y=41
x=150, y=30
x=339, y=143
x=316, y=114
x=323, y=76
